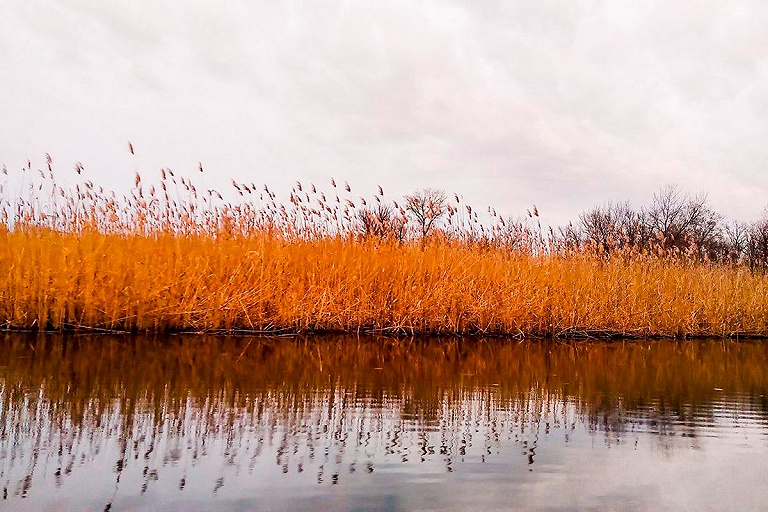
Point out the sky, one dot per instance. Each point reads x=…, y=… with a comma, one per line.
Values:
x=560, y=104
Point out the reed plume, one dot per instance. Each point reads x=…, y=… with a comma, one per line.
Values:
x=169, y=257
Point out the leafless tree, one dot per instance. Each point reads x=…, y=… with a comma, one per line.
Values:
x=569, y=237
x=426, y=207
x=615, y=225
x=757, y=244
x=376, y=220
x=612, y=226
x=736, y=237
x=682, y=221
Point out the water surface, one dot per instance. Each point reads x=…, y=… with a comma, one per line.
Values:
x=346, y=423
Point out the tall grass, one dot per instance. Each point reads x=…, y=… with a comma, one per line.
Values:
x=167, y=257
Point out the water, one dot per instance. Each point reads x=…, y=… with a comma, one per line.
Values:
x=204, y=423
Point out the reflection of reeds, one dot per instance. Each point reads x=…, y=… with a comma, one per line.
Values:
x=168, y=405
x=98, y=369
x=170, y=258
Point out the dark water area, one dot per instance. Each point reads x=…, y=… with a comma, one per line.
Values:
x=346, y=423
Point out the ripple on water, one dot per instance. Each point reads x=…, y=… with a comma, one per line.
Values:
x=148, y=425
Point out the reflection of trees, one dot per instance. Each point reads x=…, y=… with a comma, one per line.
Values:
x=333, y=407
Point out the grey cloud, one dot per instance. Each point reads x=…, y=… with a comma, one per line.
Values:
x=511, y=103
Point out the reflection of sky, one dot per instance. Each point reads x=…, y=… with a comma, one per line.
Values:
x=478, y=452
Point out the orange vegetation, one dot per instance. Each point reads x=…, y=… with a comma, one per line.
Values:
x=166, y=282
x=152, y=263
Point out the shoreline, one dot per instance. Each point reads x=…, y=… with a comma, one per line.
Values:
x=394, y=334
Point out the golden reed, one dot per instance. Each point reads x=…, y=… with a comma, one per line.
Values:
x=187, y=261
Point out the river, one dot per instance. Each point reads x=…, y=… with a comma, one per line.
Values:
x=238, y=423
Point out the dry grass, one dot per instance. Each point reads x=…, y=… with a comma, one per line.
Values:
x=151, y=262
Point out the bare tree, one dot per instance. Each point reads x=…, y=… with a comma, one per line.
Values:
x=612, y=226
x=682, y=222
x=757, y=244
x=377, y=220
x=736, y=238
x=598, y=226
x=426, y=207
x=569, y=237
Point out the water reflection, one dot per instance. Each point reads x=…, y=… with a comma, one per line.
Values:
x=188, y=422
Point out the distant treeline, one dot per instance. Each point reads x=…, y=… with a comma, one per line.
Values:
x=673, y=223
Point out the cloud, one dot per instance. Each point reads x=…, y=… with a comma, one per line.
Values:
x=551, y=103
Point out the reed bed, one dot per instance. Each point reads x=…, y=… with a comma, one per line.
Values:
x=169, y=258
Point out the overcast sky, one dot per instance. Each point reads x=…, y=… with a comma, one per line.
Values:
x=561, y=104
